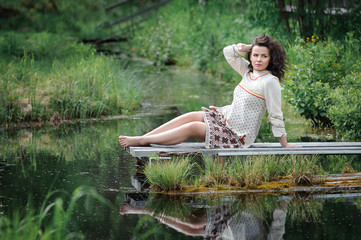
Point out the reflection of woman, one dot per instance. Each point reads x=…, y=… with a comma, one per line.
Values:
x=191, y=227
x=235, y=125
x=219, y=223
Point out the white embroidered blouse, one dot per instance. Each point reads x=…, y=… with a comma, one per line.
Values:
x=256, y=92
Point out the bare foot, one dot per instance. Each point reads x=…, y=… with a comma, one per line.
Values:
x=126, y=141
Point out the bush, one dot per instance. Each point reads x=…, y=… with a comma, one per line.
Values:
x=324, y=84
x=317, y=65
x=156, y=44
x=345, y=108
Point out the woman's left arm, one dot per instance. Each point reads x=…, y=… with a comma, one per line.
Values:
x=275, y=116
x=285, y=144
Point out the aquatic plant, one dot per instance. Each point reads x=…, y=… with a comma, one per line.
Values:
x=170, y=175
x=215, y=172
x=246, y=172
x=253, y=170
x=303, y=168
x=52, y=220
x=73, y=82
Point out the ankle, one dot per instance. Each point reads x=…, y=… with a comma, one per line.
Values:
x=142, y=141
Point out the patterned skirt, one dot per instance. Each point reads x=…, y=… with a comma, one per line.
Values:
x=218, y=135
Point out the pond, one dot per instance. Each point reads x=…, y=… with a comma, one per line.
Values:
x=82, y=163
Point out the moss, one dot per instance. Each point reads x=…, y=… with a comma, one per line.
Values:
x=279, y=186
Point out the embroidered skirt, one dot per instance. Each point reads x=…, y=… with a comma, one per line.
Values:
x=218, y=135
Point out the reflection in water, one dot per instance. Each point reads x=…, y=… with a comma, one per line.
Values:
x=242, y=217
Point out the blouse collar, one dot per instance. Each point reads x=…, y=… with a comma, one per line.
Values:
x=259, y=73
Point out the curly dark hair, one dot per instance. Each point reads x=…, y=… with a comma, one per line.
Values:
x=278, y=62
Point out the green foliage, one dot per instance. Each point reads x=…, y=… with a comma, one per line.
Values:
x=40, y=45
x=345, y=108
x=83, y=19
x=317, y=64
x=195, y=34
x=156, y=45
x=306, y=18
x=324, y=84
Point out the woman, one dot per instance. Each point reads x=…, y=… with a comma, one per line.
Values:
x=235, y=125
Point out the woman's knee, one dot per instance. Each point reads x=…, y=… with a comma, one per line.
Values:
x=196, y=116
x=196, y=128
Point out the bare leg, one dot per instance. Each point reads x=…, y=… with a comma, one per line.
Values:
x=173, y=136
x=178, y=121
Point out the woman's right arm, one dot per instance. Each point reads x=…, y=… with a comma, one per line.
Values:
x=233, y=54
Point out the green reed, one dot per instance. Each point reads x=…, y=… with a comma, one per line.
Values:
x=70, y=82
x=215, y=172
x=245, y=172
x=170, y=175
x=52, y=221
x=303, y=169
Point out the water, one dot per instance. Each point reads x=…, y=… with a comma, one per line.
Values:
x=59, y=159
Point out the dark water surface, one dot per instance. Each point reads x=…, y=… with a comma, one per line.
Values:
x=63, y=159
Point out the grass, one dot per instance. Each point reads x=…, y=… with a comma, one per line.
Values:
x=51, y=222
x=303, y=169
x=70, y=82
x=248, y=172
x=215, y=173
x=46, y=73
x=169, y=176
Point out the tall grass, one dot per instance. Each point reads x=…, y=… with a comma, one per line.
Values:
x=215, y=172
x=245, y=172
x=169, y=176
x=51, y=222
x=70, y=82
x=251, y=171
x=303, y=169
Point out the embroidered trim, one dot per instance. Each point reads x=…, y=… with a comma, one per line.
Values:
x=251, y=92
x=249, y=74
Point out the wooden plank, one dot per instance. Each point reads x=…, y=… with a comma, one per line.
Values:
x=318, y=148
x=294, y=151
x=309, y=144
x=267, y=145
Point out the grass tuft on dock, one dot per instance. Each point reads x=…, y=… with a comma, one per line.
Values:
x=235, y=173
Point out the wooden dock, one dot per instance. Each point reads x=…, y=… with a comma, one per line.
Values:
x=194, y=148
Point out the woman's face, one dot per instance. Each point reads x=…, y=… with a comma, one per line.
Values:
x=260, y=58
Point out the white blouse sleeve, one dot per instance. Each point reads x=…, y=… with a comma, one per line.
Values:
x=233, y=55
x=272, y=92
